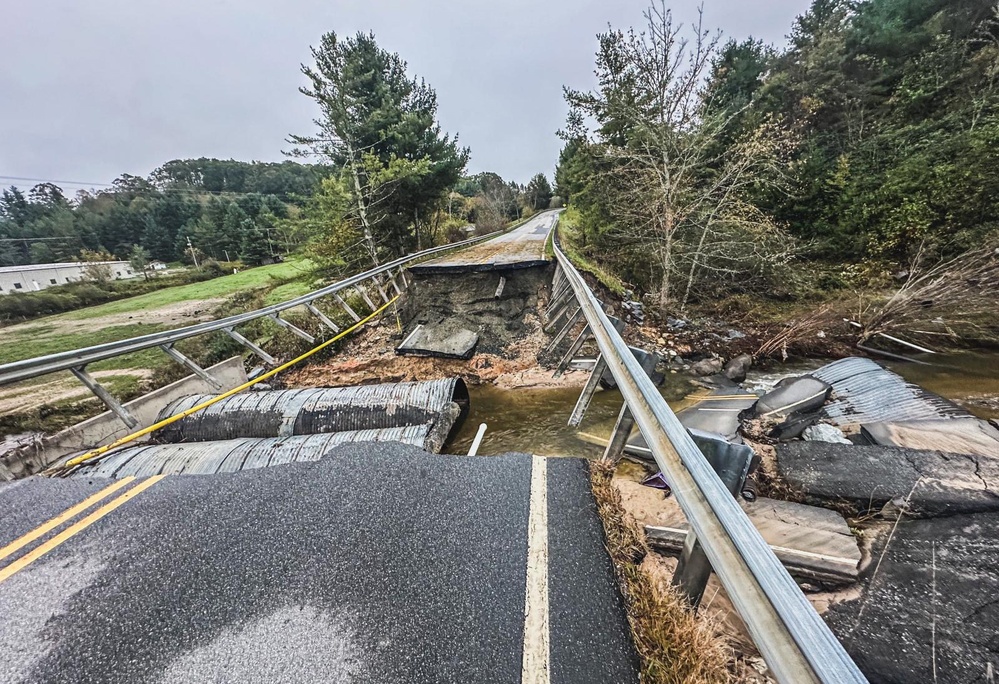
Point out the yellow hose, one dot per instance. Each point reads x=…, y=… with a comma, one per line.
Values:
x=94, y=453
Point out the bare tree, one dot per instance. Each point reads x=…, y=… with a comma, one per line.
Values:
x=676, y=192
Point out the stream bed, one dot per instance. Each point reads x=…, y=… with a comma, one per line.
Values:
x=535, y=420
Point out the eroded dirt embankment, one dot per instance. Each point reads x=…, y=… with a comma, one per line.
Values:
x=508, y=325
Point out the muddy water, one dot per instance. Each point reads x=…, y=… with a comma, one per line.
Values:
x=535, y=420
x=967, y=378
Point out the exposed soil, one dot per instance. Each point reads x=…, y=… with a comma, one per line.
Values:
x=469, y=300
x=20, y=398
x=510, y=336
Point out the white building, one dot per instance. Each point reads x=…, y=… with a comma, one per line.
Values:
x=36, y=277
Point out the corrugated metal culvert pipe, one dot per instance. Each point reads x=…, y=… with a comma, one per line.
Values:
x=230, y=455
x=441, y=404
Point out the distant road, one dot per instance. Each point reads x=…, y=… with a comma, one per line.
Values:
x=379, y=563
x=522, y=247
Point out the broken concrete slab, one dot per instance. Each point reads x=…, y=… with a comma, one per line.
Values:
x=816, y=544
x=800, y=395
x=445, y=340
x=718, y=412
x=958, y=435
x=936, y=483
x=929, y=612
x=649, y=362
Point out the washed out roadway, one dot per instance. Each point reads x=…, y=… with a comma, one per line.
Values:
x=522, y=247
x=378, y=563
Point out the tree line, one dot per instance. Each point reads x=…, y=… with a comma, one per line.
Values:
x=378, y=179
x=699, y=165
x=228, y=210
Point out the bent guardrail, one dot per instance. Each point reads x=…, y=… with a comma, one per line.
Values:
x=793, y=639
x=77, y=360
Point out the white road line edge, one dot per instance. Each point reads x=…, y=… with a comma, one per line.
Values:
x=535, y=664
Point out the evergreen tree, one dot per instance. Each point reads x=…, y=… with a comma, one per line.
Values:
x=254, y=247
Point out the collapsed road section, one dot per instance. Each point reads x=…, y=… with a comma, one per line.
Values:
x=479, y=299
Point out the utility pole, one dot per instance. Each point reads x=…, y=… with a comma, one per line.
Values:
x=193, y=254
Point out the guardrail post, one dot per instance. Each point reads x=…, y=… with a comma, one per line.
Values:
x=569, y=324
x=314, y=310
x=381, y=290
x=573, y=350
x=191, y=366
x=292, y=328
x=251, y=346
x=365, y=297
x=83, y=376
x=395, y=285
x=558, y=299
x=555, y=314
x=592, y=383
x=619, y=437
x=558, y=278
x=346, y=307
x=693, y=570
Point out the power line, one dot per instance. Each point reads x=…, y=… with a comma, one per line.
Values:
x=50, y=180
x=159, y=190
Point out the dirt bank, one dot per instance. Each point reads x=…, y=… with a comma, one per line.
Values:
x=509, y=328
x=370, y=358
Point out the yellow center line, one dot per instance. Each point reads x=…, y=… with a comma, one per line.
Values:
x=68, y=514
x=77, y=527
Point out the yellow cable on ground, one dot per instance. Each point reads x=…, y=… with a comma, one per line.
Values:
x=94, y=453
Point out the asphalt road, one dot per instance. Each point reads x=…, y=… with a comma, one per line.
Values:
x=522, y=247
x=379, y=563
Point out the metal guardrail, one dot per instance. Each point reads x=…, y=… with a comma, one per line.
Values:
x=793, y=639
x=77, y=359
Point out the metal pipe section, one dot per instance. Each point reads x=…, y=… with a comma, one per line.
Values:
x=282, y=413
x=796, y=644
x=51, y=363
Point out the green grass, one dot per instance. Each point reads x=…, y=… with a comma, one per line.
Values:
x=262, y=276
x=283, y=293
x=567, y=230
x=26, y=344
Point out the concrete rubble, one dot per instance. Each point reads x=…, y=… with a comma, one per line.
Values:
x=921, y=477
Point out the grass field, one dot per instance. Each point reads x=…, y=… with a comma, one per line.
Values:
x=263, y=276
x=57, y=400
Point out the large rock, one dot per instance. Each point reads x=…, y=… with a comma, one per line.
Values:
x=736, y=369
x=706, y=367
x=935, y=483
x=930, y=610
x=823, y=432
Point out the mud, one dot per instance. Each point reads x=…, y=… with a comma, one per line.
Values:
x=469, y=300
x=509, y=327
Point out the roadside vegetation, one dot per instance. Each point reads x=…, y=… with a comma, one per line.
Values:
x=845, y=173
x=674, y=644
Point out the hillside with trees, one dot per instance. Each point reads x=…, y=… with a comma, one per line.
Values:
x=868, y=146
x=228, y=209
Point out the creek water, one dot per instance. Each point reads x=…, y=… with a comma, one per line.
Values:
x=535, y=420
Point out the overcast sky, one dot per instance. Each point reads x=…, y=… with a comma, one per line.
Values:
x=89, y=90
